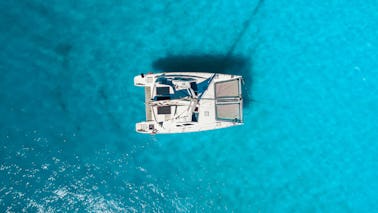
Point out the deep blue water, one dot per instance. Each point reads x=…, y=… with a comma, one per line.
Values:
x=68, y=106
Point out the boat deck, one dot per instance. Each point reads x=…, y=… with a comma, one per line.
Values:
x=190, y=102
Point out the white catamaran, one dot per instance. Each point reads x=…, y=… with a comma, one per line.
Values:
x=179, y=102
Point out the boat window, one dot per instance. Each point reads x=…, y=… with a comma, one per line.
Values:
x=195, y=117
x=163, y=110
x=151, y=126
x=162, y=98
x=187, y=124
x=162, y=90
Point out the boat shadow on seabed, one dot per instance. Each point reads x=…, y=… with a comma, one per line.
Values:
x=217, y=63
x=234, y=65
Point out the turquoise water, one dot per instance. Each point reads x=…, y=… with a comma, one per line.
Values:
x=68, y=106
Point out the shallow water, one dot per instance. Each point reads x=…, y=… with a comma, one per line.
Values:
x=68, y=106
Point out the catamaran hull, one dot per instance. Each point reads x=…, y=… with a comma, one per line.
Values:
x=180, y=102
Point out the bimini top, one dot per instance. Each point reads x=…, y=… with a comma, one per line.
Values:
x=191, y=101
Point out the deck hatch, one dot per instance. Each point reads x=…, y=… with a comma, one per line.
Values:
x=162, y=90
x=164, y=110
